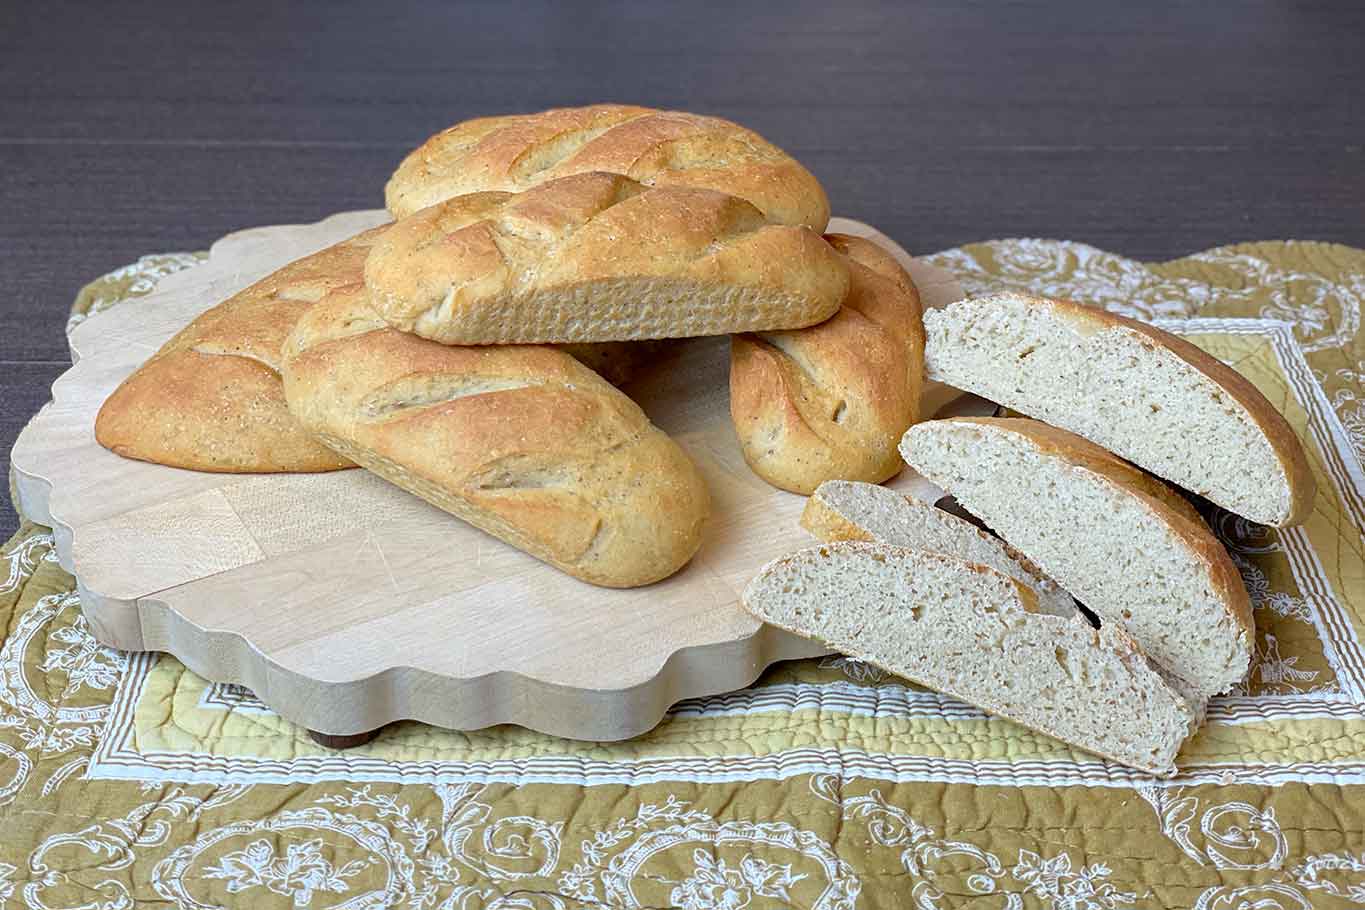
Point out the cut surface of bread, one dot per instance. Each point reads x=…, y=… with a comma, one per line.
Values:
x=521, y=441
x=1105, y=532
x=833, y=400
x=1140, y=392
x=847, y=510
x=599, y=257
x=974, y=633
x=658, y=148
x=210, y=399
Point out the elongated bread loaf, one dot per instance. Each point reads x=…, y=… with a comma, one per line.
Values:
x=847, y=510
x=657, y=148
x=1142, y=393
x=1123, y=544
x=211, y=399
x=521, y=441
x=976, y=634
x=832, y=401
x=599, y=257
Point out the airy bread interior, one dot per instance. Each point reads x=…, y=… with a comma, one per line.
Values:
x=1138, y=392
x=1125, y=555
x=849, y=510
x=971, y=632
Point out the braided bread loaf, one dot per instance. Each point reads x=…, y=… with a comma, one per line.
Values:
x=210, y=398
x=657, y=148
x=521, y=441
x=831, y=402
x=599, y=257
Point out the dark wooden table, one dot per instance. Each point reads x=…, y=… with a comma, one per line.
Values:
x=1148, y=130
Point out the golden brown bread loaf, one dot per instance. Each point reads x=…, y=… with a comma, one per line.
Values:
x=521, y=441
x=831, y=402
x=211, y=399
x=599, y=257
x=657, y=148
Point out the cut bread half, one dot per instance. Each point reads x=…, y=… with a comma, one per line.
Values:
x=849, y=510
x=976, y=634
x=1142, y=393
x=1121, y=542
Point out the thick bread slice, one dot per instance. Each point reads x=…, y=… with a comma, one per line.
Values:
x=1142, y=393
x=599, y=257
x=1105, y=532
x=847, y=510
x=210, y=399
x=833, y=400
x=975, y=634
x=657, y=148
x=521, y=441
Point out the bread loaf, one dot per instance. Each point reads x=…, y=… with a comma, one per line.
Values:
x=599, y=257
x=656, y=148
x=832, y=401
x=847, y=510
x=1142, y=393
x=1134, y=554
x=210, y=398
x=523, y=442
x=976, y=634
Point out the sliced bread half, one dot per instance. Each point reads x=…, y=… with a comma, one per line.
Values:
x=849, y=510
x=1142, y=393
x=1124, y=544
x=976, y=634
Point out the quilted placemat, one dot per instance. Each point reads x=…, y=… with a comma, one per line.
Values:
x=127, y=780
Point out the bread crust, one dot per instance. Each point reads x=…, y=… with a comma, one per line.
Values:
x=658, y=148
x=832, y=401
x=599, y=257
x=210, y=398
x=523, y=442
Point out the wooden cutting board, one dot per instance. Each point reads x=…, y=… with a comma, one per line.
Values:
x=345, y=603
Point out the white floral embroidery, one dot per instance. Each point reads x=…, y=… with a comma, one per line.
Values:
x=716, y=886
x=24, y=558
x=1325, y=312
x=854, y=669
x=300, y=872
x=1350, y=407
x=1319, y=873
x=1054, y=881
x=6, y=885
x=1228, y=828
x=86, y=662
x=146, y=273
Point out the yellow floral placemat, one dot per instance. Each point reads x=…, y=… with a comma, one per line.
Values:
x=126, y=780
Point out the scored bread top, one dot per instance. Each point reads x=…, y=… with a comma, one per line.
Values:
x=522, y=441
x=832, y=400
x=210, y=398
x=599, y=257
x=1084, y=517
x=1141, y=392
x=657, y=148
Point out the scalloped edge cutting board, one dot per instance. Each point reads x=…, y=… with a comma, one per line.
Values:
x=345, y=603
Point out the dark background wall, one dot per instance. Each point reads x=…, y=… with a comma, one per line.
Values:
x=1152, y=130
